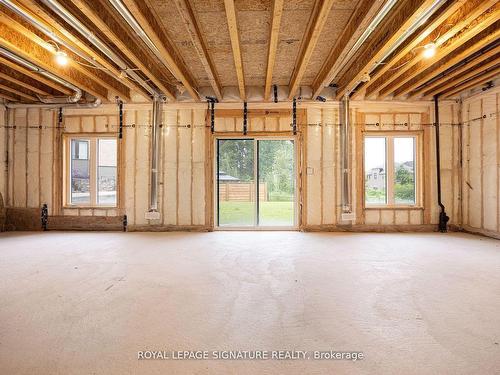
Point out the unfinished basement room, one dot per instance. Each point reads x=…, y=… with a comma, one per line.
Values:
x=295, y=187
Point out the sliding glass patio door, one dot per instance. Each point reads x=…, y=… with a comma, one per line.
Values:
x=240, y=200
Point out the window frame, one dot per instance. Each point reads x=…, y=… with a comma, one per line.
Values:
x=390, y=175
x=92, y=157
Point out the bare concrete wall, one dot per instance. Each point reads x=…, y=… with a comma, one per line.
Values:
x=185, y=191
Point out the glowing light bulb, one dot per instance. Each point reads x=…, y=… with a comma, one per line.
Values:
x=62, y=58
x=429, y=50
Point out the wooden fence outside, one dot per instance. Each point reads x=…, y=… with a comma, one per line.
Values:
x=241, y=191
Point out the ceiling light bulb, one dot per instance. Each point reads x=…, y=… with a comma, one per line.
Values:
x=429, y=50
x=62, y=58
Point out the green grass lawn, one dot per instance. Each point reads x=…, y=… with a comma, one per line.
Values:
x=242, y=213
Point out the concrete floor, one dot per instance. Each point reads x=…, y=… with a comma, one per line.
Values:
x=86, y=303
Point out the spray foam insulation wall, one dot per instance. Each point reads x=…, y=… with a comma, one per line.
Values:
x=34, y=172
x=481, y=162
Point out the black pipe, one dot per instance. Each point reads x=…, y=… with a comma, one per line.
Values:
x=245, y=116
x=120, y=115
x=294, y=116
x=443, y=218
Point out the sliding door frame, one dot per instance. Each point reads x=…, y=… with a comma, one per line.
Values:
x=297, y=183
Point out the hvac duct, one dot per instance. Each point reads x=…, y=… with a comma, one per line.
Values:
x=85, y=32
x=421, y=19
x=345, y=139
x=155, y=142
x=96, y=103
x=48, y=32
x=30, y=66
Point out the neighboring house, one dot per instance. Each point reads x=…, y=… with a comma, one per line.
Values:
x=224, y=177
x=375, y=179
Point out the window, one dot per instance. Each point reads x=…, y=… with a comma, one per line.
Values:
x=390, y=169
x=91, y=171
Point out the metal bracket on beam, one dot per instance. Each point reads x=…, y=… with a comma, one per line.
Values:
x=294, y=116
x=275, y=92
x=245, y=118
x=120, y=114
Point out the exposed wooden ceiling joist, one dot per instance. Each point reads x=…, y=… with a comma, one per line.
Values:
x=277, y=12
x=60, y=30
x=196, y=36
x=18, y=93
x=318, y=18
x=365, y=11
x=461, y=78
x=428, y=89
x=400, y=20
x=424, y=75
x=235, y=45
x=148, y=22
x=8, y=97
x=405, y=52
x=18, y=82
x=115, y=31
x=483, y=78
x=455, y=38
x=113, y=85
x=35, y=76
x=29, y=46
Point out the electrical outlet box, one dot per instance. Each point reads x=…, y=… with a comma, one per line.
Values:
x=310, y=171
x=348, y=216
x=152, y=215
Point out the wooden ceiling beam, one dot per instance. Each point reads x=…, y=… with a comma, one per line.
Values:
x=461, y=78
x=424, y=75
x=113, y=28
x=277, y=12
x=448, y=76
x=404, y=55
x=18, y=82
x=29, y=46
x=192, y=26
x=360, y=19
x=317, y=21
x=56, y=86
x=235, y=45
x=60, y=30
x=394, y=25
x=8, y=97
x=483, y=78
x=18, y=93
x=148, y=21
x=455, y=38
x=95, y=74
